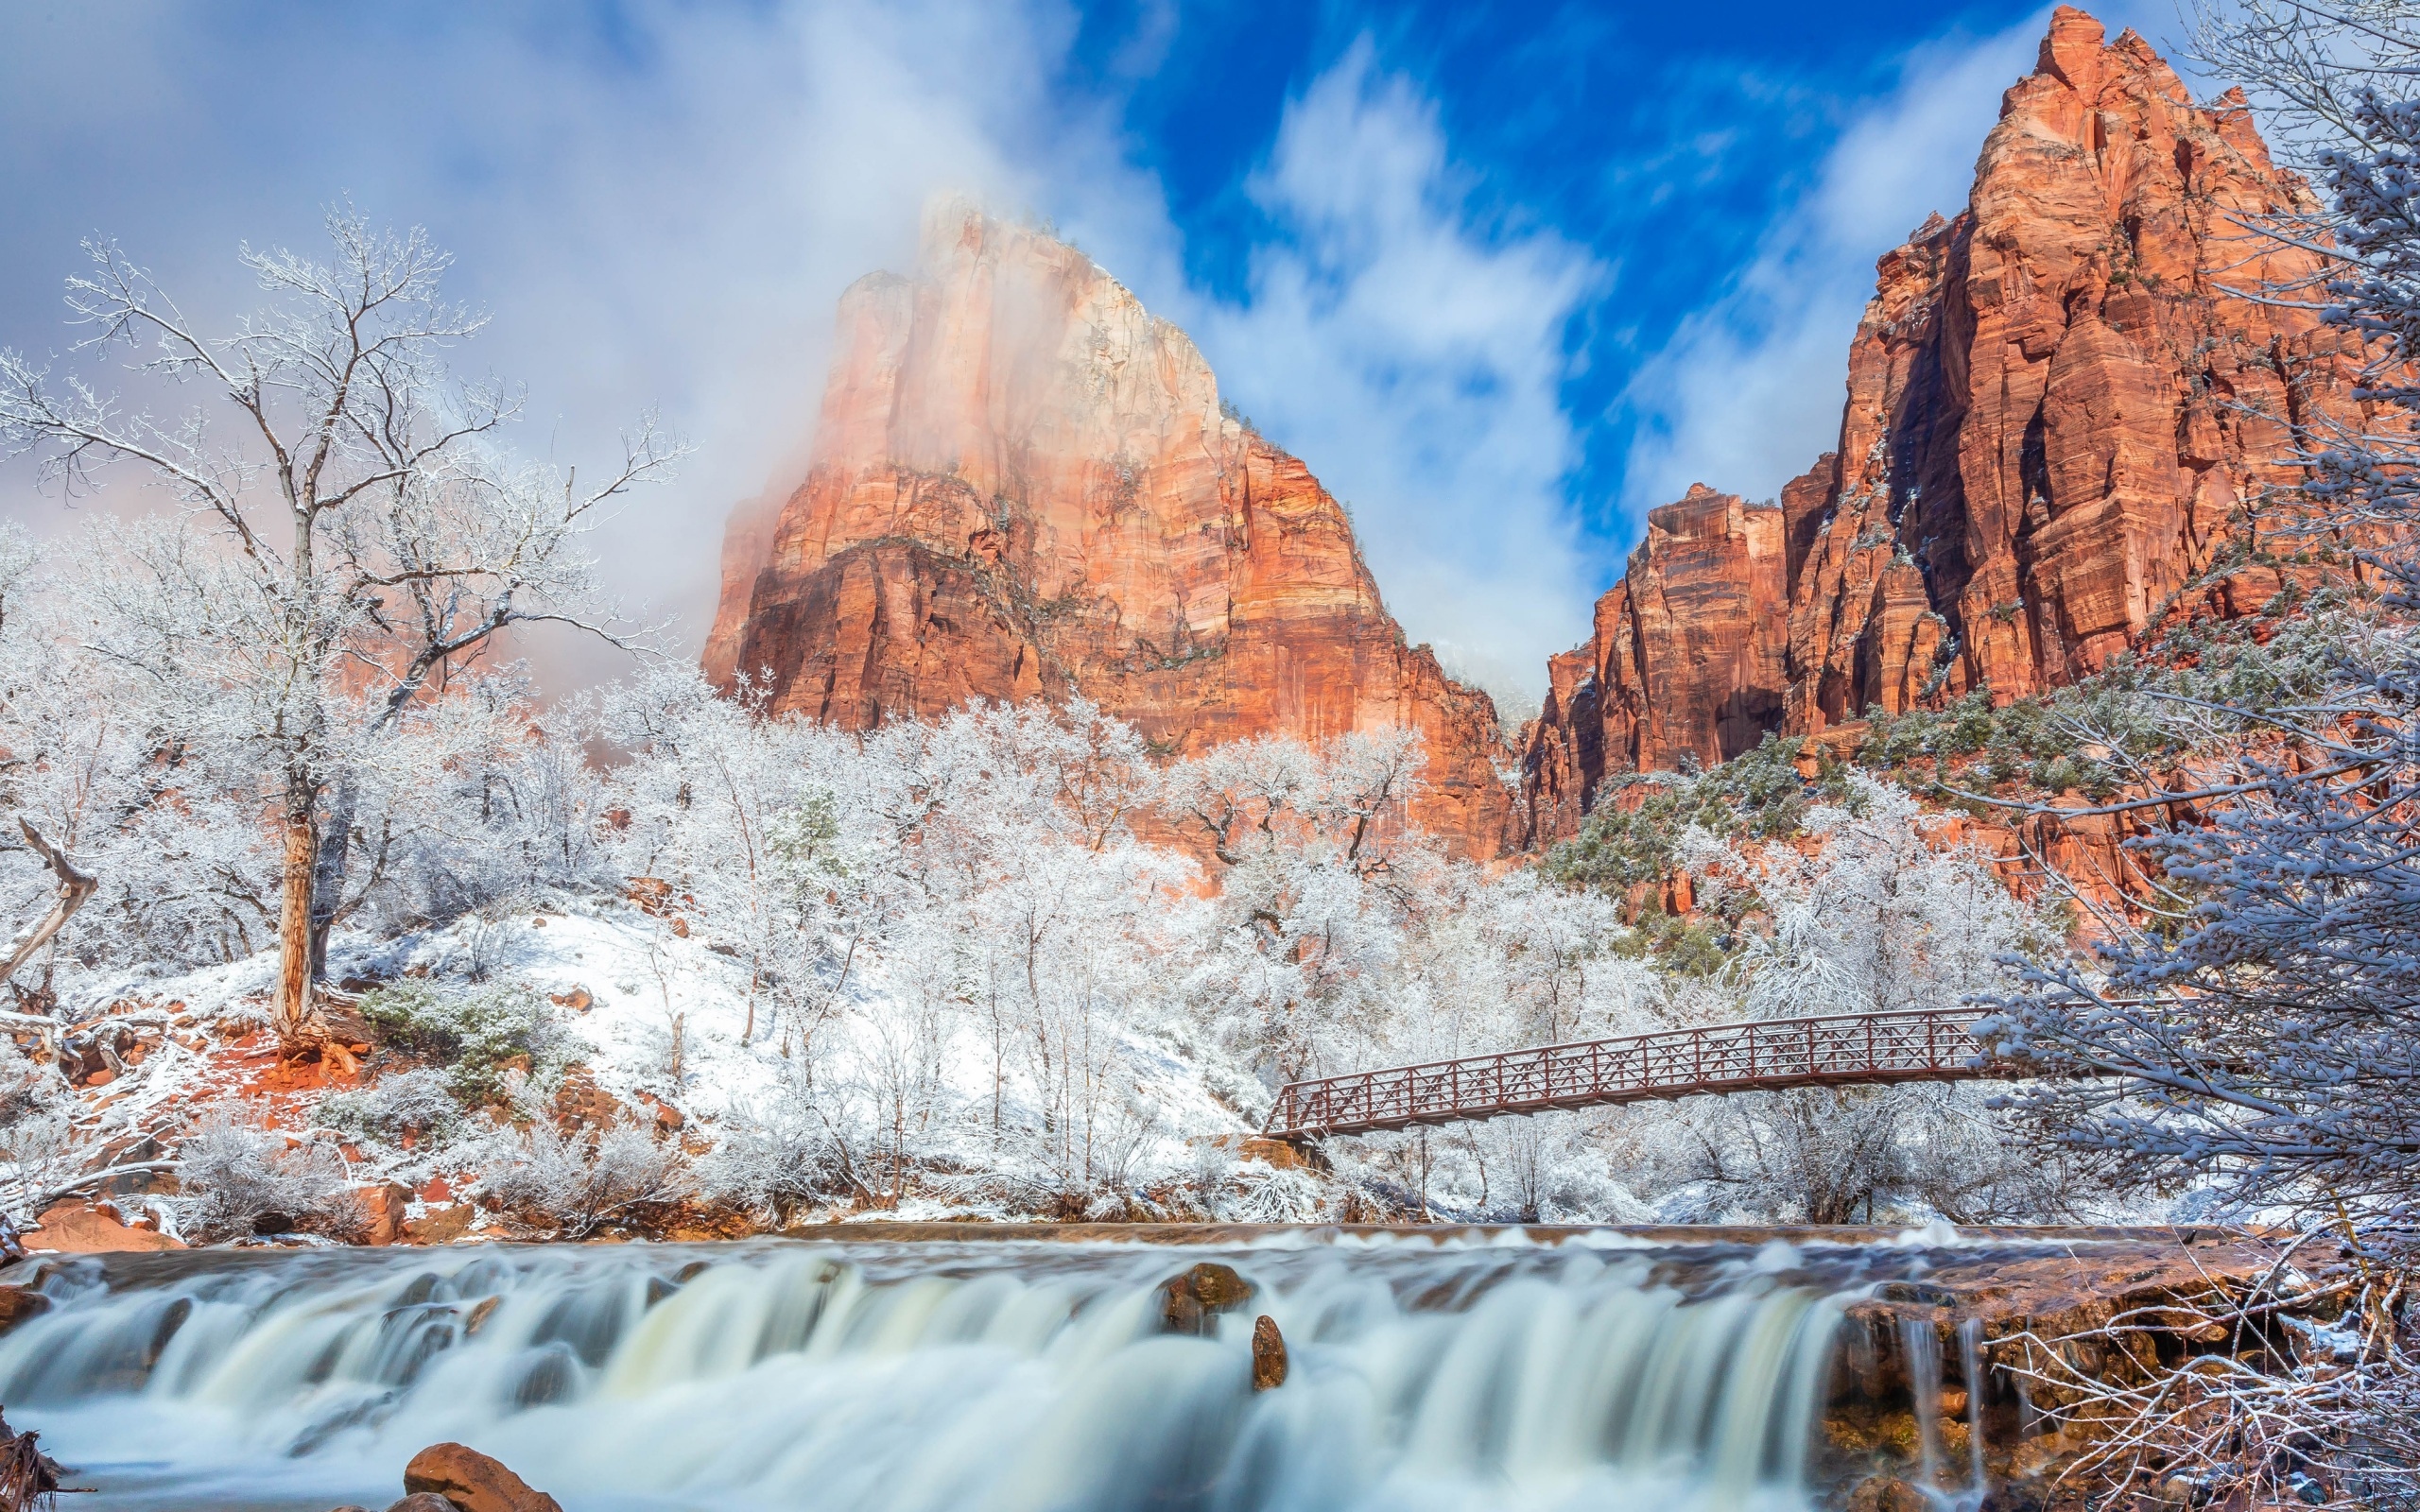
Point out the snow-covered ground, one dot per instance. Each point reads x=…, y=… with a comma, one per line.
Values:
x=624, y=986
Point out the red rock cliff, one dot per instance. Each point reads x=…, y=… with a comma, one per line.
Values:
x=1024, y=486
x=1686, y=665
x=2058, y=419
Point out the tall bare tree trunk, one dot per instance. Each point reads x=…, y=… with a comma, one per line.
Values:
x=298, y=1030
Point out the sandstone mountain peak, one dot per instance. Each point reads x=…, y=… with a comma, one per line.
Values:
x=1023, y=485
x=2059, y=422
x=2071, y=49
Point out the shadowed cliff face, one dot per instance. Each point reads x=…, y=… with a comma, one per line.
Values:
x=1023, y=486
x=2058, y=418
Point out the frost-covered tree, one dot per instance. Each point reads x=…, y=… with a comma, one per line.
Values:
x=174, y=860
x=2259, y=1039
x=347, y=535
x=1877, y=914
x=1321, y=869
x=952, y=930
x=457, y=803
x=723, y=807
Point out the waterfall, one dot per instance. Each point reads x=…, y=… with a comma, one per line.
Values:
x=971, y=1377
x=1970, y=1360
x=1921, y=1347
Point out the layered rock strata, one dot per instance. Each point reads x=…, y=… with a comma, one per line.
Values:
x=1025, y=485
x=1686, y=665
x=2060, y=417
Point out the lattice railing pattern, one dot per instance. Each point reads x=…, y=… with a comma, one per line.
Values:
x=1918, y=1044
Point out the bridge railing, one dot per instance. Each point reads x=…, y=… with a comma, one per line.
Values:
x=1928, y=1044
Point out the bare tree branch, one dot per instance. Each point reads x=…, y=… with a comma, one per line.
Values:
x=75, y=885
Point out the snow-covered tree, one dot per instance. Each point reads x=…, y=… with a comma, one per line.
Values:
x=1321, y=874
x=459, y=801
x=347, y=536
x=1876, y=914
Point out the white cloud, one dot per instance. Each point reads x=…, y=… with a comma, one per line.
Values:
x=1412, y=352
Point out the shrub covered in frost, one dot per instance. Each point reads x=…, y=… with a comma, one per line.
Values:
x=776, y=1159
x=577, y=1184
x=476, y=1034
x=419, y=1102
x=27, y=1088
x=1209, y=1169
x=240, y=1176
x=1265, y=1193
x=39, y=1143
x=42, y=1150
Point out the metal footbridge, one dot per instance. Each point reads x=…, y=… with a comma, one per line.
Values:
x=1764, y=1054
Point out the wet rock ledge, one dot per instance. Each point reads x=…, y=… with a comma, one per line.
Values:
x=1972, y=1381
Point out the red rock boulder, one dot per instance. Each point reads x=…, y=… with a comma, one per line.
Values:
x=472, y=1482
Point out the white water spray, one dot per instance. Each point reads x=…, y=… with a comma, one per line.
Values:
x=932, y=1378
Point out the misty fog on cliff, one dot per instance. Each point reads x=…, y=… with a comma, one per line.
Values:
x=661, y=205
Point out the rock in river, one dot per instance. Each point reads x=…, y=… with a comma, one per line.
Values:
x=472, y=1482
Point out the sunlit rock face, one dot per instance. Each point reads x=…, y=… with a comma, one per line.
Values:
x=1687, y=658
x=2057, y=412
x=1024, y=486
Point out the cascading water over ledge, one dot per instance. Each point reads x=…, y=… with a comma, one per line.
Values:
x=900, y=1377
x=1491, y=1371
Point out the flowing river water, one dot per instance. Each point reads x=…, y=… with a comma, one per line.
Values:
x=1490, y=1369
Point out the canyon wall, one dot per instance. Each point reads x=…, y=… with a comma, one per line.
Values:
x=2059, y=422
x=1686, y=664
x=1023, y=484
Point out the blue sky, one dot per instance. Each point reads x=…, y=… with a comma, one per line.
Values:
x=1504, y=275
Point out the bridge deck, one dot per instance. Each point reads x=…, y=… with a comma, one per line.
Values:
x=1768, y=1055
